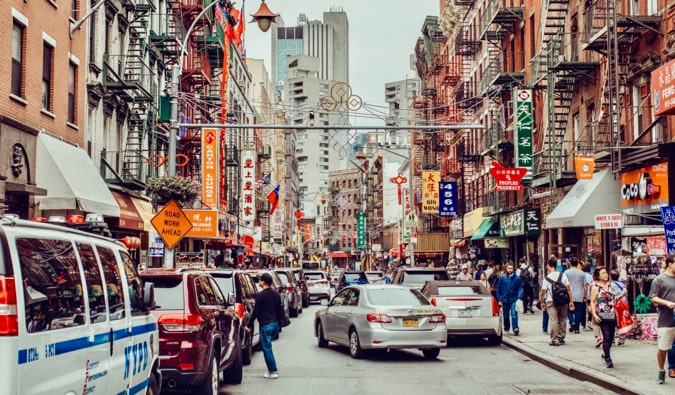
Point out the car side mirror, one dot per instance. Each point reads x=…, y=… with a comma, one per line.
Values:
x=231, y=299
x=149, y=296
x=324, y=302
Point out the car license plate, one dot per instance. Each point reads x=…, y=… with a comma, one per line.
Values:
x=465, y=313
x=410, y=323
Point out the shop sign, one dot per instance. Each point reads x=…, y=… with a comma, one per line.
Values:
x=513, y=223
x=608, y=221
x=430, y=195
x=532, y=221
x=499, y=242
x=644, y=190
x=472, y=221
x=209, y=168
x=668, y=216
x=361, y=230
x=448, y=201
x=248, y=181
x=204, y=223
x=456, y=228
x=507, y=178
x=523, y=134
x=663, y=89
x=656, y=246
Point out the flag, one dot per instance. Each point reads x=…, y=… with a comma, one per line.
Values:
x=273, y=198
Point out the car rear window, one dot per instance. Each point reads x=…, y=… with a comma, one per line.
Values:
x=315, y=276
x=422, y=277
x=284, y=277
x=168, y=292
x=355, y=278
x=396, y=296
x=462, y=291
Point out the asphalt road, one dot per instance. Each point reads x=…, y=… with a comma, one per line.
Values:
x=464, y=367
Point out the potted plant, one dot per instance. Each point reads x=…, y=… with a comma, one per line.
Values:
x=183, y=190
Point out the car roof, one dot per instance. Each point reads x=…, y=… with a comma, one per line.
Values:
x=377, y=286
x=435, y=284
x=171, y=272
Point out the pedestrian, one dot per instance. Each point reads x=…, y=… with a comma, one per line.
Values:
x=493, y=278
x=269, y=312
x=557, y=315
x=484, y=281
x=602, y=308
x=465, y=275
x=621, y=305
x=479, y=270
x=577, y=279
x=662, y=295
x=509, y=290
x=526, y=274
x=587, y=320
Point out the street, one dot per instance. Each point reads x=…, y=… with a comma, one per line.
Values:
x=470, y=367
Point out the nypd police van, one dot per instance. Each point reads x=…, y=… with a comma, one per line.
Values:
x=74, y=315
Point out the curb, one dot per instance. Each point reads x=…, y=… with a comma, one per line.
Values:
x=608, y=382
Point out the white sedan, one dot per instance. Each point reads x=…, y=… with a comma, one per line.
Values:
x=317, y=284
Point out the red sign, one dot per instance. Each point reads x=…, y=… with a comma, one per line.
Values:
x=663, y=89
x=508, y=178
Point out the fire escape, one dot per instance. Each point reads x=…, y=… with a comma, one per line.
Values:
x=131, y=79
x=611, y=32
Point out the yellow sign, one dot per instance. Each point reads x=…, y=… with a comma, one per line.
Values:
x=204, y=223
x=171, y=224
x=430, y=192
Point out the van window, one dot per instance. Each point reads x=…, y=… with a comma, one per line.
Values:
x=52, y=284
x=135, y=285
x=113, y=283
x=94, y=283
x=208, y=293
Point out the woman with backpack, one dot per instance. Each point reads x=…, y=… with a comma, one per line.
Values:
x=602, y=307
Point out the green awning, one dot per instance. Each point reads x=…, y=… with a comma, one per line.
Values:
x=488, y=228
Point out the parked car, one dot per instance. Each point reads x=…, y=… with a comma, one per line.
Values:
x=335, y=275
x=240, y=290
x=278, y=285
x=416, y=276
x=302, y=284
x=469, y=308
x=375, y=277
x=318, y=285
x=199, y=334
x=292, y=290
x=349, y=277
x=381, y=316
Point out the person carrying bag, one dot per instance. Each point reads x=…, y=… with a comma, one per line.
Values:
x=604, y=312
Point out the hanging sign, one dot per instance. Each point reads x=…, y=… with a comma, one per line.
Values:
x=668, y=216
x=523, y=133
x=209, y=168
x=508, y=178
x=430, y=194
x=448, y=200
x=361, y=230
x=248, y=180
x=585, y=166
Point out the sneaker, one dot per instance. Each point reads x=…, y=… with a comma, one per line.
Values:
x=609, y=363
x=576, y=331
x=269, y=375
x=671, y=373
x=621, y=341
x=662, y=377
x=598, y=342
x=516, y=331
x=554, y=343
x=561, y=340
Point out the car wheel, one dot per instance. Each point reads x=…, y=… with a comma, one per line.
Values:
x=431, y=353
x=210, y=385
x=495, y=340
x=305, y=303
x=355, y=345
x=153, y=385
x=235, y=373
x=293, y=312
x=323, y=343
x=247, y=352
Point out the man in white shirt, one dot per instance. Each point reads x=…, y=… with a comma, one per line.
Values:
x=465, y=275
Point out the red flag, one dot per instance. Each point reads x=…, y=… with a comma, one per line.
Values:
x=273, y=198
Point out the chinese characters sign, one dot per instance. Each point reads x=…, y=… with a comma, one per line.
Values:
x=361, y=231
x=430, y=193
x=663, y=89
x=448, y=201
x=209, y=168
x=523, y=222
x=508, y=178
x=204, y=223
x=524, y=124
x=248, y=180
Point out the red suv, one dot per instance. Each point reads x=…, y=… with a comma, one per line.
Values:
x=199, y=335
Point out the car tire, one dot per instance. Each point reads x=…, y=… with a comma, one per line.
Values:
x=211, y=383
x=293, y=312
x=235, y=373
x=322, y=342
x=431, y=353
x=495, y=340
x=355, y=345
x=247, y=351
x=305, y=303
x=153, y=385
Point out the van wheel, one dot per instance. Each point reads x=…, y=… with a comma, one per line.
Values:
x=210, y=385
x=235, y=373
x=153, y=386
x=247, y=351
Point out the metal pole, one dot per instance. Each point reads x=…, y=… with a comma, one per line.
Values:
x=331, y=127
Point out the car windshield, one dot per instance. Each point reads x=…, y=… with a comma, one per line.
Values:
x=356, y=278
x=314, y=276
x=462, y=291
x=396, y=296
x=422, y=277
x=284, y=277
x=168, y=293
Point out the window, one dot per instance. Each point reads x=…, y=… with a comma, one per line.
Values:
x=93, y=283
x=47, y=67
x=136, y=291
x=18, y=51
x=72, y=79
x=74, y=9
x=113, y=283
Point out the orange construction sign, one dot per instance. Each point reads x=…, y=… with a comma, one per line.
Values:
x=171, y=224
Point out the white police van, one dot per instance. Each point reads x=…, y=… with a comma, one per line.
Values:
x=74, y=315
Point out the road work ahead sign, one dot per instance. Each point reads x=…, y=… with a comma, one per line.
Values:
x=171, y=224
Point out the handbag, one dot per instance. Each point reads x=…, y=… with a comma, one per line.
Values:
x=607, y=315
x=519, y=306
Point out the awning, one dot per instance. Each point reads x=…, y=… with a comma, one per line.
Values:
x=338, y=255
x=144, y=208
x=71, y=179
x=432, y=242
x=488, y=228
x=585, y=200
x=129, y=216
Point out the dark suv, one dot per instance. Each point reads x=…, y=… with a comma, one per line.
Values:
x=239, y=289
x=415, y=277
x=302, y=283
x=199, y=334
x=292, y=290
x=349, y=277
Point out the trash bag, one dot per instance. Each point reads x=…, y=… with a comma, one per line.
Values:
x=520, y=307
x=624, y=321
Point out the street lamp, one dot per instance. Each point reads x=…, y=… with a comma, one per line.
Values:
x=264, y=17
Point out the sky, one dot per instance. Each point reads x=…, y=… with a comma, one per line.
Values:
x=382, y=35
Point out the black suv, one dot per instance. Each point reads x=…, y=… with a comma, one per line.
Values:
x=415, y=277
x=240, y=290
x=199, y=334
x=302, y=283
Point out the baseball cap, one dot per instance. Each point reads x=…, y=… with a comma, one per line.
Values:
x=266, y=278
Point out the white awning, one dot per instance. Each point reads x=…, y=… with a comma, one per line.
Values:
x=585, y=200
x=71, y=179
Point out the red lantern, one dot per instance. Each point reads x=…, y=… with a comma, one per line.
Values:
x=299, y=214
x=131, y=242
x=398, y=180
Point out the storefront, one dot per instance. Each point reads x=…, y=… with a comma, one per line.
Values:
x=488, y=242
x=522, y=229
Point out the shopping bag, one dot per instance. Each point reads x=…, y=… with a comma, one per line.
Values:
x=624, y=321
x=519, y=306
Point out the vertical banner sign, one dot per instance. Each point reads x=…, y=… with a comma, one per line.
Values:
x=668, y=216
x=248, y=179
x=361, y=231
x=448, y=203
x=523, y=132
x=430, y=195
x=585, y=166
x=221, y=166
x=209, y=168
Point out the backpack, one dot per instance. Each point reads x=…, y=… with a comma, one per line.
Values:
x=526, y=276
x=559, y=292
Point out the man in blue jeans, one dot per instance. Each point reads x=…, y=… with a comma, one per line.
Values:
x=509, y=290
x=269, y=312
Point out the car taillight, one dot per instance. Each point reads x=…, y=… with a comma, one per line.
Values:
x=433, y=301
x=290, y=288
x=239, y=309
x=381, y=318
x=9, y=322
x=180, y=323
x=437, y=318
x=495, y=308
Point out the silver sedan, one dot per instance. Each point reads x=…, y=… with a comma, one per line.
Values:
x=378, y=316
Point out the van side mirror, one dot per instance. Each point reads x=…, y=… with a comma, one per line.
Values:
x=231, y=299
x=149, y=296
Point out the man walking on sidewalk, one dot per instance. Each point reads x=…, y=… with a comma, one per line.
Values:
x=662, y=294
x=557, y=313
x=509, y=290
x=577, y=279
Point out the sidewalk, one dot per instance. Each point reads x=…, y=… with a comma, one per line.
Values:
x=634, y=370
